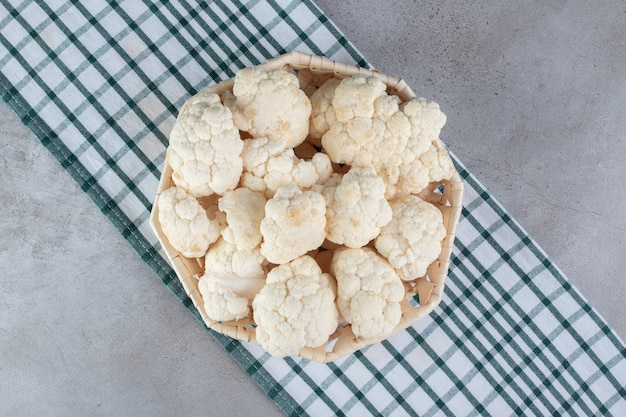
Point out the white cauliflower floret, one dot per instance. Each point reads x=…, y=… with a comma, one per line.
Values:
x=332, y=182
x=362, y=109
x=425, y=116
x=244, y=211
x=289, y=169
x=271, y=103
x=355, y=96
x=225, y=259
x=369, y=291
x=268, y=167
x=305, y=173
x=356, y=208
x=204, y=147
x=220, y=302
x=255, y=156
x=371, y=128
x=412, y=240
x=294, y=224
x=432, y=165
x=296, y=308
x=185, y=223
x=439, y=164
x=231, y=280
x=322, y=111
x=376, y=141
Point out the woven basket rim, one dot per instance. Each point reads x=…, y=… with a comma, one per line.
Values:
x=342, y=342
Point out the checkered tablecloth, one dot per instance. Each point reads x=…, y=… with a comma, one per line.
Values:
x=99, y=83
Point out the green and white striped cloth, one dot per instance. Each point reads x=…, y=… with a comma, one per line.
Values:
x=99, y=83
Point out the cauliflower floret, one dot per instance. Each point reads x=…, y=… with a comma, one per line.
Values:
x=332, y=182
x=371, y=128
x=355, y=96
x=412, y=240
x=439, y=164
x=432, y=165
x=232, y=278
x=185, y=223
x=362, y=109
x=220, y=302
x=296, y=308
x=225, y=259
x=255, y=156
x=267, y=167
x=356, y=208
x=322, y=111
x=294, y=224
x=376, y=141
x=369, y=291
x=244, y=211
x=271, y=103
x=289, y=169
x=204, y=147
x=426, y=117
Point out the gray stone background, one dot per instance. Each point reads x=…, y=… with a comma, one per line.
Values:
x=535, y=94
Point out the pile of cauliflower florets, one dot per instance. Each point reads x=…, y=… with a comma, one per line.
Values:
x=304, y=209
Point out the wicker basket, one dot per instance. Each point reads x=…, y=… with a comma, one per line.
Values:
x=312, y=71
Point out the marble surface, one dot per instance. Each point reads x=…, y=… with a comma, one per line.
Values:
x=535, y=98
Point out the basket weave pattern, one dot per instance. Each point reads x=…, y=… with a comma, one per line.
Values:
x=312, y=71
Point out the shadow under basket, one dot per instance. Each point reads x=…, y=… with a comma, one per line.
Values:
x=421, y=295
